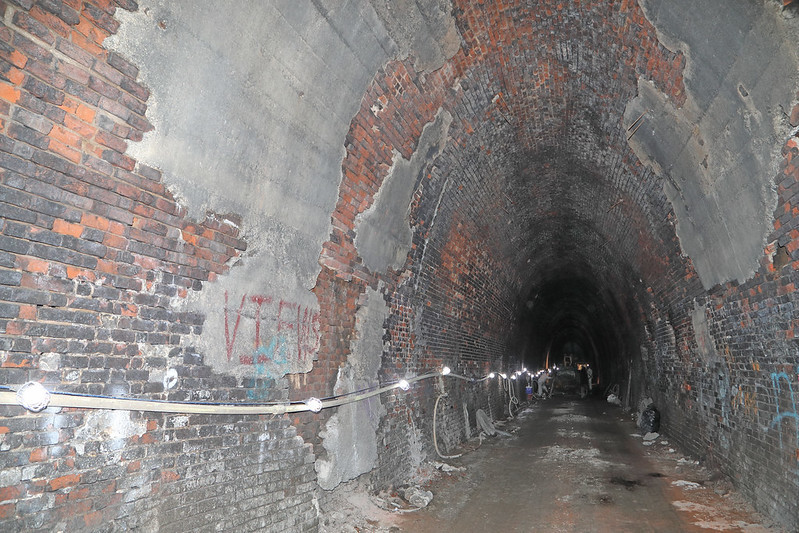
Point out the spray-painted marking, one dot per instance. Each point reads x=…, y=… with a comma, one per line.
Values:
x=777, y=379
x=296, y=330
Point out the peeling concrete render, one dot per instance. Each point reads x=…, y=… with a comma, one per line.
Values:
x=383, y=234
x=720, y=151
x=424, y=30
x=349, y=437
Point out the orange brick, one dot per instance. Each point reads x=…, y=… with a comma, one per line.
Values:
x=10, y=493
x=30, y=264
x=69, y=105
x=78, y=126
x=84, y=113
x=94, y=221
x=18, y=59
x=38, y=455
x=74, y=272
x=115, y=241
x=67, y=228
x=16, y=76
x=87, y=45
x=27, y=312
x=79, y=494
x=8, y=93
x=64, y=150
x=65, y=136
x=106, y=266
x=64, y=481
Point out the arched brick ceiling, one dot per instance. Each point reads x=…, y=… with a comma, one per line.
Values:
x=552, y=188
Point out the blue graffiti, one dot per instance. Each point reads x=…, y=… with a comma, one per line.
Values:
x=776, y=380
x=270, y=362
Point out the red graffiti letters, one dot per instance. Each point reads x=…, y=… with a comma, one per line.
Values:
x=283, y=330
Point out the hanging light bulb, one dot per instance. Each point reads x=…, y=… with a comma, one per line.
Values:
x=314, y=404
x=503, y=375
x=403, y=384
x=446, y=370
x=492, y=375
x=33, y=396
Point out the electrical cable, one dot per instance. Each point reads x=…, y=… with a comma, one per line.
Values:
x=9, y=396
x=85, y=401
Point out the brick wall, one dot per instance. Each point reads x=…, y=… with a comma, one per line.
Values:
x=536, y=184
x=94, y=254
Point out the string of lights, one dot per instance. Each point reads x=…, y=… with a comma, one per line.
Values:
x=34, y=397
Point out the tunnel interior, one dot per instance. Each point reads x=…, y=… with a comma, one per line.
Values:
x=280, y=222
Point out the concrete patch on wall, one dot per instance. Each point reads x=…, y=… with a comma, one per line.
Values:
x=111, y=428
x=383, y=235
x=720, y=151
x=254, y=125
x=350, y=435
x=423, y=29
x=704, y=341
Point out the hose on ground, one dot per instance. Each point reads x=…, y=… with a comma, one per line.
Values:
x=435, y=441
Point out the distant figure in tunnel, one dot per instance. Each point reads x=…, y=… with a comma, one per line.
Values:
x=590, y=373
x=543, y=391
x=583, y=375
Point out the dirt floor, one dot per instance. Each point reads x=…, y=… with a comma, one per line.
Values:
x=569, y=465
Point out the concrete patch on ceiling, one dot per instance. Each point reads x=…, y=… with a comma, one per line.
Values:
x=251, y=110
x=422, y=29
x=383, y=235
x=349, y=437
x=720, y=152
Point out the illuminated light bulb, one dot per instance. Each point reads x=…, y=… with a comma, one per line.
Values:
x=504, y=376
x=524, y=369
x=446, y=370
x=492, y=375
x=33, y=396
x=513, y=376
x=314, y=404
x=403, y=384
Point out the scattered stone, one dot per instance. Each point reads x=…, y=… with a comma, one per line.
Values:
x=444, y=467
x=687, y=485
x=417, y=496
x=651, y=436
x=612, y=398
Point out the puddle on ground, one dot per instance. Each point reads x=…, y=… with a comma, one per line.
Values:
x=629, y=484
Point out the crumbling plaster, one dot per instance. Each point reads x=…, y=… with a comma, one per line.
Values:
x=720, y=150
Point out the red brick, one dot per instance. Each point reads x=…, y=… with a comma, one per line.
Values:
x=64, y=150
x=11, y=493
x=38, y=455
x=9, y=93
x=64, y=481
x=67, y=228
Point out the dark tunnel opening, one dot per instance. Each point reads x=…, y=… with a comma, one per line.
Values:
x=576, y=318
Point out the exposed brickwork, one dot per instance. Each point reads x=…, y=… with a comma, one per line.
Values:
x=536, y=185
x=94, y=253
x=738, y=409
x=475, y=215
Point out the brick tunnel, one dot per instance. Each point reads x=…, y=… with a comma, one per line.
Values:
x=215, y=206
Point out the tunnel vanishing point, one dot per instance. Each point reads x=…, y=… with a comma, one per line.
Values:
x=212, y=206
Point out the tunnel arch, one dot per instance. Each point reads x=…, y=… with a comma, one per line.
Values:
x=187, y=199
